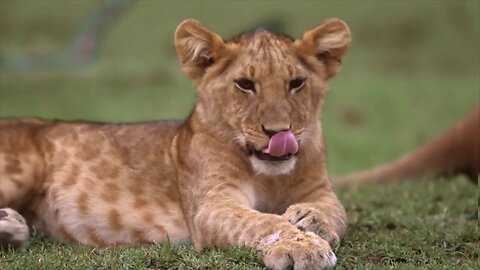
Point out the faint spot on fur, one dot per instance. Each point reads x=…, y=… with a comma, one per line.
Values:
x=110, y=193
x=72, y=178
x=114, y=220
x=66, y=235
x=139, y=203
x=138, y=234
x=90, y=150
x=160, y=229
x=136, y=189
x=105, y=170
x=93, y=237
x=62, y=155
x=147, y=217
x=82, y=203
x=179, y=223
x=13, y=167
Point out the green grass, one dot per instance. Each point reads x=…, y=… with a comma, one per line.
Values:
x=411, y=72
x=424, y=225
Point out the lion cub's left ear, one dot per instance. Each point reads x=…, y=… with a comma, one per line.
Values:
x=197, y=47
x=328, y=42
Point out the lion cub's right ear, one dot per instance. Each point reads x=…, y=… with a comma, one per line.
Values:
x=197, y=47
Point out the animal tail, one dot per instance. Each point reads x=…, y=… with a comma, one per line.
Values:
x=456, y=150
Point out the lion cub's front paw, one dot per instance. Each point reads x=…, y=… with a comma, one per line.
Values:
x=302, y=250
x=310, y=219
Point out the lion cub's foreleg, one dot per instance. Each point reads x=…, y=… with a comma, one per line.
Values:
x=225, y=217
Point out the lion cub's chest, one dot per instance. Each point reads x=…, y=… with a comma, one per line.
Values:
x=267, y=197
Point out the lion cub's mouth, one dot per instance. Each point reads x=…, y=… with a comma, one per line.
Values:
x=263, y=156
x=282, y=146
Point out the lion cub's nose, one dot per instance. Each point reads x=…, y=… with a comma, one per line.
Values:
x=274, y=129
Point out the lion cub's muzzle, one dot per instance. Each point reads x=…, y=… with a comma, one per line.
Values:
x=282, y=146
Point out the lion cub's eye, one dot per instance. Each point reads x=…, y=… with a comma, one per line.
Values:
x=296, y=84
x=245, y=85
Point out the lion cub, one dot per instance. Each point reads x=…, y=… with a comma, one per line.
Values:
x=246, y=168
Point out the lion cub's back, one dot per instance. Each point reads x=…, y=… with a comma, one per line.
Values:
x=110, y=185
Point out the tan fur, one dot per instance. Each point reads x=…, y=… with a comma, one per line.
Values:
x=104, y=184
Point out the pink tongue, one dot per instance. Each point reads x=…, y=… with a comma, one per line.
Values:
x=281, y=144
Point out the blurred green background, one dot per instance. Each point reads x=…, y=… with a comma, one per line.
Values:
x=412, y=70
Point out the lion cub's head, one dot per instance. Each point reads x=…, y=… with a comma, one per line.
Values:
x=262, y=89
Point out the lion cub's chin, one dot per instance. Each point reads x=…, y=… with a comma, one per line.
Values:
x=272, y=167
